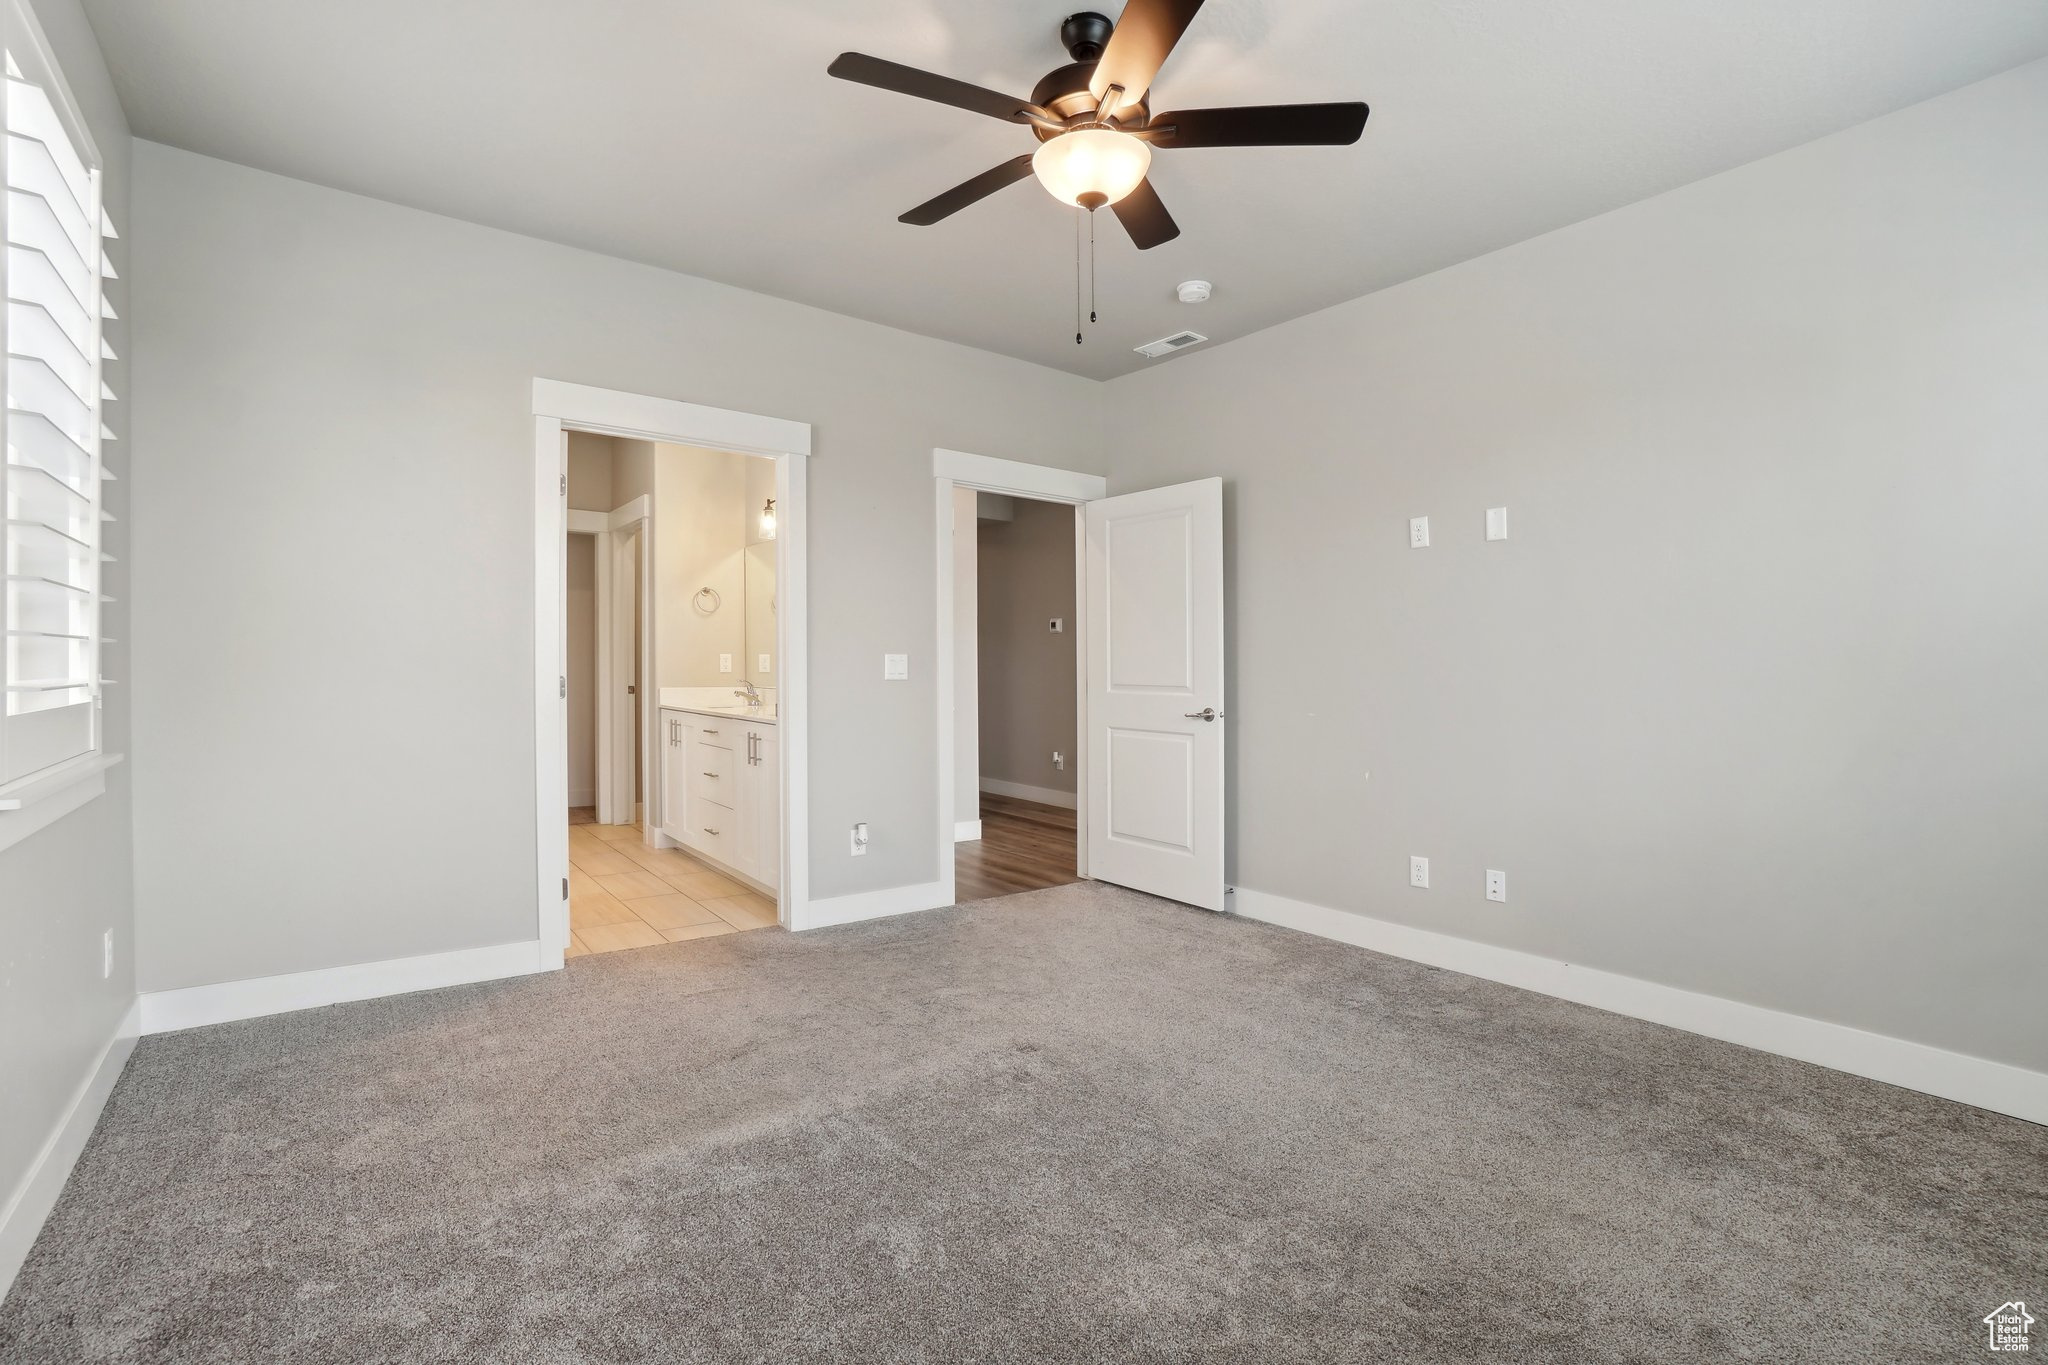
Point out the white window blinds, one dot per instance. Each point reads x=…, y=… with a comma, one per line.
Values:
x=56, y=261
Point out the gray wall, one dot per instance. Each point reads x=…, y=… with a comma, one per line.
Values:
x=66, y=884
x=1028, y=705
x=590, y=490
x=1752, y=701
x=580, y=645
x=333, y=652
x=590, y=472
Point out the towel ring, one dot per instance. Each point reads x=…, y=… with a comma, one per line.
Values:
x=716, y=600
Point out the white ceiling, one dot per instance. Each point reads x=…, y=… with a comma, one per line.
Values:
x=707, y=138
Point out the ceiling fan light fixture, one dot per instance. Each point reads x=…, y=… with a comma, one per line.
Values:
x=1091, y=167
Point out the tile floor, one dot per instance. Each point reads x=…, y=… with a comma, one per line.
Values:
x=623, y=894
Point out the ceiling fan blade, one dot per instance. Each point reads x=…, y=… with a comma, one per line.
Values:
x=1262, y=125
x=908, y=80
x=1144, y=34
x=1145, y=218
x=960, y=196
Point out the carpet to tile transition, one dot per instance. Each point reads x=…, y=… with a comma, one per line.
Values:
x=1075, y=1125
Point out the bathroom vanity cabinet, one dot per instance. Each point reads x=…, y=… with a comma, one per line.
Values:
x=720, y=790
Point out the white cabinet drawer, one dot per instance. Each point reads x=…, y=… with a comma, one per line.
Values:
x=710, y=773
x=713, y=828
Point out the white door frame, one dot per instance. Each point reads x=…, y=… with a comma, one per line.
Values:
x=559, y=407
x=955, y=469
x=616, y=630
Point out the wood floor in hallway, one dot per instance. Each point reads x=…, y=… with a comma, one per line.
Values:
x=1023, y=846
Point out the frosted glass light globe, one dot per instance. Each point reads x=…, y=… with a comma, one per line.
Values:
x=1091, y=167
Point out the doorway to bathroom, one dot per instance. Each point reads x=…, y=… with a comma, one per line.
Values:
x=671, y=733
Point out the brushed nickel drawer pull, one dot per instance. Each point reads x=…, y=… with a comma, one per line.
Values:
x=709, y=830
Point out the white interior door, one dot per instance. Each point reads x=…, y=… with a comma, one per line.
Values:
x=1155, y=691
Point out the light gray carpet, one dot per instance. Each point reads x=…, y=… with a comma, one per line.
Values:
x=1075, y=1125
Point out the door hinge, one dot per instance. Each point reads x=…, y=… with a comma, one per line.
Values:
x=565, y=485
x=565, y=888
x=565, y=684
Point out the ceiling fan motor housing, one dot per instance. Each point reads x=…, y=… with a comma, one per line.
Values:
x=1084, y=35
x=1064, y=92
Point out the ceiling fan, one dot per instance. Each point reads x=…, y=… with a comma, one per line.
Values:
x=1095, y=128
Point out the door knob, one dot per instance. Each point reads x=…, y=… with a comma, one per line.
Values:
x=1206, y=713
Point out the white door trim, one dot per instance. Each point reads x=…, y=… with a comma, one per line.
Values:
x=955, y=469
x=558, y=407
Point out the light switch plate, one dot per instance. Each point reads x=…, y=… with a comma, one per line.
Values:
x=895, y=667
x=1057, y=626
x=725, y=663
x=1496, y=523
x=761, y=663
x=1418, y=533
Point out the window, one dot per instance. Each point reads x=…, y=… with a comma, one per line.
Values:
x=55, y=264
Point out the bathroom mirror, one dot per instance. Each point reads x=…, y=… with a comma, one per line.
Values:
x=760, y=574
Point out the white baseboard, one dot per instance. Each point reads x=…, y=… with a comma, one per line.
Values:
x=22, y=1217
x=966, y=831
x=891, y=900
x=1996, y=1086
x=194, y=1006
x=1044, y=796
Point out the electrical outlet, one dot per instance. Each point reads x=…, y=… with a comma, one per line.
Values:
x=860, y=839
x=1418, y=533
x=725, y=663
x=1418, y=873
x=106, y=955
x=761, y=664
x=895, y=667
x=1496, y=885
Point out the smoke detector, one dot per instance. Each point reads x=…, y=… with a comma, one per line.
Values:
x=1168, y=345
x=1193, y=291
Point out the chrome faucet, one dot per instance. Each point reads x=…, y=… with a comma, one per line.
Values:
x=748, y=691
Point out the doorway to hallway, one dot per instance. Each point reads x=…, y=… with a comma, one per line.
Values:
x=1024, y=846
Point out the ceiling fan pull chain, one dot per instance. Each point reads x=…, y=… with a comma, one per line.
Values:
x=1077, y=277
x=1091, y=265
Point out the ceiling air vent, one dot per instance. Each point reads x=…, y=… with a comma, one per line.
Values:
x=1179, y=341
